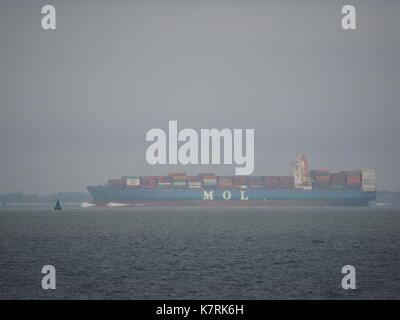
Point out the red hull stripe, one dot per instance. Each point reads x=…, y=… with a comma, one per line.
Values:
x=232, y=203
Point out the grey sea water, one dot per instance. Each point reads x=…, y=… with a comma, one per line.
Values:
x=196, y=253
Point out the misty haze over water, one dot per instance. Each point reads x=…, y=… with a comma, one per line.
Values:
x=76, y=102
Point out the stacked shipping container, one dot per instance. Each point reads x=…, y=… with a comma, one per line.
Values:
x=353, y=179
x=209, y=180
x=337, y=180
x=321, y=179
x=164, y=182
x=194, y=182
x=179, y=180
x=272, y=182
x=148, y=182
x=368, y=180
x=240, y=182
x=286, y=182
x=132, y=181
x=256, y=182
x=117, y=183
x=225, y=182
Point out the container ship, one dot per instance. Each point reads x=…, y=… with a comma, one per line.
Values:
x=303, y=188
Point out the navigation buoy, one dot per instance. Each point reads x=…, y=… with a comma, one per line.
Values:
x=58, y=205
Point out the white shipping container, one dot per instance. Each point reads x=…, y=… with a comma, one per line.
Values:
x=133, y=182
x=368, y=180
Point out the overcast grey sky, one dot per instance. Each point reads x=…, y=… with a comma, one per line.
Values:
x=76, y=102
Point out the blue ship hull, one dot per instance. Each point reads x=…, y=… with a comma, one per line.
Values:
x=112, y=196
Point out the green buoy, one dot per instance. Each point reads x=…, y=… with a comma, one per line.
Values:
x=58, y=205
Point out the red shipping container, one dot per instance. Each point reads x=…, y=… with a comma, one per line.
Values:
x=354, y=171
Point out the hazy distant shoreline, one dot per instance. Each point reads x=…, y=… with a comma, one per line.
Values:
x=20, y=197
x=38, y=205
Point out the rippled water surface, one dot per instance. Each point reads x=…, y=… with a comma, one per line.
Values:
x=196, y=253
